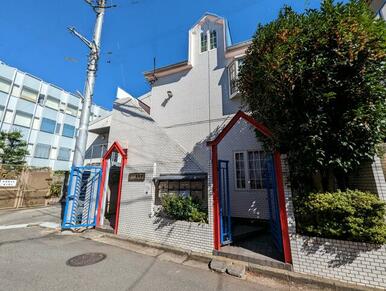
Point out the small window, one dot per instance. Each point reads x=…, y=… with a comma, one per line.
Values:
x=22, y=119
x=240, y=170
x=64, y=154
x=58, y=126
x=213, y=39
x=41, y=99
x=5, y=85
x=250, y=166
x=72, y=110
x=29, y=94
x=234, y=70
x=204, y=42
x=68, y=130
x=52, y=102
x=1, y=111
x=256, y=168
x=42, y=151
x=185, y=188
x=48, y=125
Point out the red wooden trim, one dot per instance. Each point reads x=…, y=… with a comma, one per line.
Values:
x=279, y=180
x=216, y=210
x=101, y=191
x=282, y=209
x=124, y=160
x=240, y=114
x=115, y=146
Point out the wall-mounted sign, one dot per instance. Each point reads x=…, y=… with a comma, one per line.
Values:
x=136, y=177
x=8, y=183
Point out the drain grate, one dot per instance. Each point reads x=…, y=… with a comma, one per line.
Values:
x=86, y=259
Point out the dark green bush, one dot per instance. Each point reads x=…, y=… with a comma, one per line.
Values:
x=350, y=215
x=184, y=208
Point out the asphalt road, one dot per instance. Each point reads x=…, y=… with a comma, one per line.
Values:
x=32, y=215
x=34, y=258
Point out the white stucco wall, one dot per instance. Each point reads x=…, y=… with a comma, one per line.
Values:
x=200, y=100
x=244, y=203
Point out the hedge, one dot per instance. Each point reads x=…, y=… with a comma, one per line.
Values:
x=184, y=208
x=351, y=215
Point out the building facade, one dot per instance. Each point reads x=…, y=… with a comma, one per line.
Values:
x=46, y=115
x=192, y=136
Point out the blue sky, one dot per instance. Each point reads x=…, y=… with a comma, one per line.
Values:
x=34, y=37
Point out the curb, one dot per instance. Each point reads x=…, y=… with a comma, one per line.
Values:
x=286, y=276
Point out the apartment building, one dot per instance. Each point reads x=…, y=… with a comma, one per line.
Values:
x=46, y=115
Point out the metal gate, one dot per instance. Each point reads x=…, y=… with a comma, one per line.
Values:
x=225, y=208
x=82, y=200
x=273, y=204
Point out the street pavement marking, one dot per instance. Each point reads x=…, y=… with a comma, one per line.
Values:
x=46, y=224
x=3, y=227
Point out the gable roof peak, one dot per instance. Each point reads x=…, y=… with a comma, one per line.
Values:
x=211, y=16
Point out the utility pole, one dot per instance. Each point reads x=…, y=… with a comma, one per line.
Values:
x=99, y=7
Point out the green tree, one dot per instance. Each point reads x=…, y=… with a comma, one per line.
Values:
x=317, y=81
x=13, y=148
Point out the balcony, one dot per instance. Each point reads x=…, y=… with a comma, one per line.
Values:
x=95, y=152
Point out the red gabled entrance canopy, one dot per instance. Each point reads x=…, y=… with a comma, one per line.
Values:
x=123, y=153
x=279, y=179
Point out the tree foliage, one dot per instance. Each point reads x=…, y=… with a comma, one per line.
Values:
x=13, y=148
x=317, y=81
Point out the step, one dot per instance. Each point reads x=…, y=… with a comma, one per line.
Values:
x=231, y=268
x=254, y=258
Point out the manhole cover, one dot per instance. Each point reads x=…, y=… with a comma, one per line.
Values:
x=86, y=259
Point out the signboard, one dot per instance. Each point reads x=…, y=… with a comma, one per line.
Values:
x=136, y=177
x=8, y=183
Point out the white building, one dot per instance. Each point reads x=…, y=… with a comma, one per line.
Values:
x=46, y=115
x=187, y=136
x=165, y=134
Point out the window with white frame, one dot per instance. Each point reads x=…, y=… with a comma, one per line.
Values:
x=5, y=85
x=64, y=154
x=68, y=130
x=72, y=109
x=52, y=102
x=204, y=41
x=250, y=166
x=213, y=39
x=29, y=94
x=240, y=170
x=48, y=125
x=42, y=151
x=234, y=70
x=22, y=119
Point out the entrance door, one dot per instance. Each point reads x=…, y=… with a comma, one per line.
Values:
x=273, y=204
x=225, y=208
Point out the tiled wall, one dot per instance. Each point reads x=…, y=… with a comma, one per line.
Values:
x=351, y=262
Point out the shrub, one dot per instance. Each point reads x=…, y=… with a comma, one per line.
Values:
x=184, y=208
x=350, y=215
x=55, y=189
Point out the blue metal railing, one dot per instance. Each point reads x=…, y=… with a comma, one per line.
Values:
x=82, y=200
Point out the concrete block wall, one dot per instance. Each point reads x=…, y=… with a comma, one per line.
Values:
x=138, y=219
x=347, y=261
